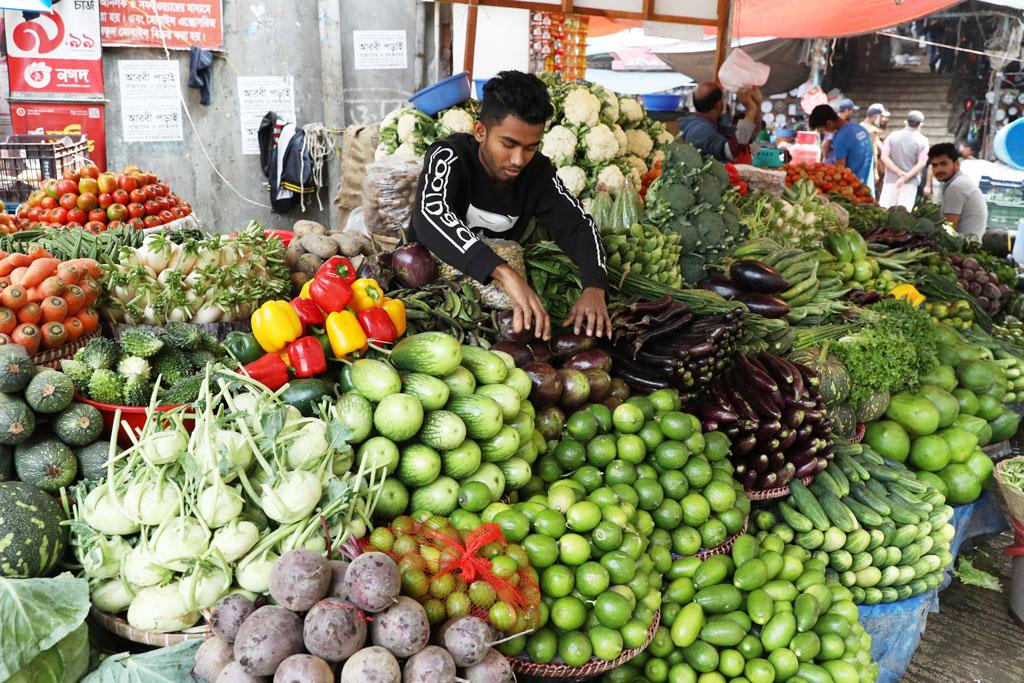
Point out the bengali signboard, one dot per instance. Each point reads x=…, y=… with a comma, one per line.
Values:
x=156, y=23
x=64, y=118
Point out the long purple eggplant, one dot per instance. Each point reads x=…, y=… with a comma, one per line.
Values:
x=769, y=480
x=787, y=438
x=757, y=379
x=760, y=462
x=745, y=446
x=786, y=474
x=776, y=367
x=807, y=469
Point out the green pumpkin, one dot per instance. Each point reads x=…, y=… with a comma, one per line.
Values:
x=834, y=379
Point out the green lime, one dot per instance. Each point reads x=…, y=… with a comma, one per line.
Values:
x=456, y=605
x=676, y=425
x=695, y=509
x=606, y=643
x=514, y=525
x=601, y=450
x=671, y=455
x=661, y=644
x=557, y=581
x=651, y=434
x=660, y=538
x=583, y=516
x=649, y=492
x=614, y=514
x=603, y=416
x=512, y=648
x=644, y=404
x=436, y=612
x=695, y=442
x=568, y=613
x=681, y=672
x=504, y=567
x=631, y=448
x=603, y=496
x=561, y=496
x=542, y=646
x=474, y=496
x=716, y=446
x=592, y=579
x=547, y=468
x=394, y=499
x=619, y=472
x=656, y=670
x=612, y=609
x=464, y=520
x=582, y=426
x=661, y=558
x=698, y=471
x=685, y=540
x=570, y=454
x=713, y=533
x=542, y=550
x=675, y=484
x=668, y=514
x=634, y=634
x=530, y=509
x=549, y=523
x=606, y=536
x=415, y=583
x=492, y=510
x=628, y=418
x=573, y=550
x=625, y=493
x=574, y=648
x=733, y=519
x=664, y=400
x=589, y=477
x=646, y=470
x=721, y=496
x=621, y=567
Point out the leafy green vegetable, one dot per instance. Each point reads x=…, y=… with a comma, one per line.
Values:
x=166, y=665
x=35, y=615
x=65, y=662
x=1013, y=473
x=972, y=576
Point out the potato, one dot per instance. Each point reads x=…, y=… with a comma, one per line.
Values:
x=467, y=639
x=493, y=668
x=304, y=669
x=371, y=665
x=293, y=253
x=306, y=227
x=334, y=629
x=432, y=664
x=229, y=615
x=337, y=588
x=402, y=628
x=373, y=581
x=211, y=658
x=300, y=578
x=321, y=245
x=268, y=637
x=299, y=278
x=352, y=243
x=310, y=263
x=234, y=673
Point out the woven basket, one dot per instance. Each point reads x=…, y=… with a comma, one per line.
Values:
x=1011, y=498
x=859, y=436
x=778, y=492
x=53, y=357
x=491, y=295
x=594, y=667
x=120, y=627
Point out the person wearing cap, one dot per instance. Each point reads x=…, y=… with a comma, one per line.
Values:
x=872, y=124
x=904, y=155
x=705, y=130
x=850, y=142
x=846, y=109
x=963, y=204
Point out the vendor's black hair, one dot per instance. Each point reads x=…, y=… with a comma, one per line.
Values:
x=821, y=115
x=943, y=149
x=703, y=105
x=513, y=92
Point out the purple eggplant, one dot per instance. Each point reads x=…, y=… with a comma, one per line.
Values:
x=590, y=359
x=547, y=385
x=757, y=379
x=787, y=438
x=807, y=469
x=568, y=344
x=730, y=431
x=768, y=430
x=764, y=305
x=763, y=404
x=613, y=402
x=720, y=286
x=540, y=351
x=600, y=383
x=802, y=454
x=708, y=411
x=804, y=433
x=755, y=276
x=709, y=425
x=786, y=473
x=760, y=462
x=550, y=422
x=619, y=389
x=575, y=388
x=777, y=460
x=507, y=331
x=520, y=354
x=748, y=478
x=745, y=445
x=413, y=265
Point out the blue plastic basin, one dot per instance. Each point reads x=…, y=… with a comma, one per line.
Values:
x=480, y=83
x=662, y=102
x=1009, y=144
x=443, y=94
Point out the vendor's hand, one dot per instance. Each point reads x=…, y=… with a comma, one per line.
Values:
x=927, y=191
x=756, y=95
x=527, y=310
x=591, y=311
x=899, y=183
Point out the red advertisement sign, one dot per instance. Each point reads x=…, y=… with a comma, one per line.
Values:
x=60, y=118
x=154, y=23
x=56, y=54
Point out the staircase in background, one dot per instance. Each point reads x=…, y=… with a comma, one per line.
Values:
x=901, y=91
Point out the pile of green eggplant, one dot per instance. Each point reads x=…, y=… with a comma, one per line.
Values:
x=778, y=423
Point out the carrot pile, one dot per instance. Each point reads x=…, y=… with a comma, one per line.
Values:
x=46, y=302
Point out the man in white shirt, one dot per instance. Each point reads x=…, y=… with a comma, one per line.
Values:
x=963, y=204
x=904, y=155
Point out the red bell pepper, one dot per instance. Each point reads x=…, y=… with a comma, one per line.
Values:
x=330, y=292
x=340, y=266
x=377, y=324
x=306, y=356
x=310, y=314
x=270, y=371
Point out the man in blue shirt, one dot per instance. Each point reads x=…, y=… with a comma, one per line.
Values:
x=850, y=142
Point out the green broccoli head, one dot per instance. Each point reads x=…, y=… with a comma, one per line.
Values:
x=718, y=170
x=105, y=386
x=710, y=227
x=99, y=353
x=679, y=197
x=709, y=191
x=79, y=372
x=182, y=336
x=681, y=154
x=139, y=341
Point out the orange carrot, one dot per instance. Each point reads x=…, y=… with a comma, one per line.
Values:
x=35, y=294
x=54, y=334
x=40, y=269
x=36, y=251
x=14, y=297
x=75, y=298
x=52, y=286
x=74, y=327
x=5, y=282
x=30, y=313
x=69, y=274
x=18, y=273
x=27, y=335
x=91, y=289
x=7, y=320
x=12, y=261
x=90, y=318
x=55, y=309
x=85, y=265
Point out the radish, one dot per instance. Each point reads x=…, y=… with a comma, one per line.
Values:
x=403, y=628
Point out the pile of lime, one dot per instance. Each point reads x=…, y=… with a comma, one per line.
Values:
x=763, y=613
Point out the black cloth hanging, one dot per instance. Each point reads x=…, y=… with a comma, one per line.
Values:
x=199, y=73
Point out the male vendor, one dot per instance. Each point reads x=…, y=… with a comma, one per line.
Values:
x=490, y=184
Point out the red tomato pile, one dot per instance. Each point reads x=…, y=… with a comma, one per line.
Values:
x=100, y=201
x=830, y=179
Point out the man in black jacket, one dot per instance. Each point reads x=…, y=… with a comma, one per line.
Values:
x=490, y=184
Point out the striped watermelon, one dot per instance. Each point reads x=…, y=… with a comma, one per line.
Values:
x=32, y=539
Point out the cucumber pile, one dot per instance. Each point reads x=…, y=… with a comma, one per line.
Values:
x=766, y=612
x=879, y=530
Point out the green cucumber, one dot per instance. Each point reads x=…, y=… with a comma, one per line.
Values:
x=866, y=515
x=837, y=512
x=808, y=505
x=841, y=480
x=793, y=518
x=863, y=495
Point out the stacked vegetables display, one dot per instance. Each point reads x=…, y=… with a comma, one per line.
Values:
x=882, y=532
x=450, y=307
x=637, y=246
x=86, y=198
x=761, y=288
x=800, y=218
x=765, y=612
x=984, y=286
x=772, y=411
x=829, y=179
x=75, y=243
x=313, y=244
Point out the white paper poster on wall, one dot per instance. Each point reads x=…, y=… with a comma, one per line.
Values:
x=258, y=95
x=150, y=100
x=380, y=50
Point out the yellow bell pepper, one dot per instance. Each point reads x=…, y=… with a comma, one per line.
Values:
x=304, y=292
x=275, y=324
x=365, y=293
x=908, y=292
x=345, y=333
x=396, y=311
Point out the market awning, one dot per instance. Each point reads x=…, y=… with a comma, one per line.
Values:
x=826, y=18
x=783, y=56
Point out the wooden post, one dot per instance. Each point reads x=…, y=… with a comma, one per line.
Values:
x=724, y=36
x=470, y=53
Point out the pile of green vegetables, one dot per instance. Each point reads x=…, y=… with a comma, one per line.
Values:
x=451, y=307
x=636, y=246
x=72, y=243
x=797, y=219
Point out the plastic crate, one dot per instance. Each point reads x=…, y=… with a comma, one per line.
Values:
x=1004, y=216
x=26, y=160
x=1002, y=192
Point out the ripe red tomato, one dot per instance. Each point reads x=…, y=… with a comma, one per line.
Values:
x=49, y=186
x=150, y=192
x=36, y=197
x=58, y=215
x=68, y=200
x=164, y=203
x=166, y=216
x=73, y=224
x=98, y=216
x=126, y=183
x=137, y=223
x=72, y=174
x=90, y=171
x=120, y=196
x=152, y=222
x=23, y=211
x=87, y=201
x=95, y=226
x=66, y=185
x=34, y=213
x=76, y=215
x=107, y=182
x=114, y=224
x=137, y=196
x=105, y=199
x=178, y=212
x=152, y=208
x=48, y=203
x=136, y=210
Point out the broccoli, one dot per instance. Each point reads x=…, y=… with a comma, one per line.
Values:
x=105, y=386
x=79, y=372
x=185, y=391
x=99, y=354
x=719, y=172
x=138, y=341
x=711, y=228
x=679, y=197
x=182, y=335
x=710, y=190
x=136, y=392
x=683, y=154
x=133, y=366
x=172, y=365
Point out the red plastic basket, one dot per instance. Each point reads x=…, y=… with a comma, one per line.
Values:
x=135, y=416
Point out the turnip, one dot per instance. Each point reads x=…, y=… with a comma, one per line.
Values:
x=207, y=583
x=160, y=609
x=178, y=541
x=141, y=569
x=291, y=496
x=211, y=658
x=403, y=628
x=493, y=668
x=234, y=673
x=467, y=639
x=103, y=556
x=334, y=629
x=253, y=572
x=432, y=664
x=337, y=588
x=229, y=615
x=235, y=539
x=373, y=581
x=270, y=635
x=371, y=665
x=219, y=504
x=304, y=669
x=299, y=579
x=112, y=596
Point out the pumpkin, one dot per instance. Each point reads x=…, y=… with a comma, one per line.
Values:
x=873, y=407
x=844, y=419
x=834, y=379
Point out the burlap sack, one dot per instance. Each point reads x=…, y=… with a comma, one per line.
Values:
x=358, y=146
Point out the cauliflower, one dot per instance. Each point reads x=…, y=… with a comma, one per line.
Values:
x=393, y=116
x=601, y=144
x=383, y=151
x=659, y=155
x=407, y=128
x=620, y=137
x=610, y=179
x=559, y=145
x=630, y=111
x=639, y=142
x=456, y=121
x=407, y=149
x=636, y=162
x=574, y=178
x=633, y=176
x=609, y=106
x=665, y=138
x=581, y=107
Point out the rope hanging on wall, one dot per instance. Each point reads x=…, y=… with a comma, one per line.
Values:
x=321, y=144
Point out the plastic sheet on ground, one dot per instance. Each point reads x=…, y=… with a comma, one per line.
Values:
x=976, y=519
x=896, y=630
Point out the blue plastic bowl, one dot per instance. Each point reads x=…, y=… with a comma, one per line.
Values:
x=480, y=83
x=662, y=102
x=1009, y=144
x=443, y=94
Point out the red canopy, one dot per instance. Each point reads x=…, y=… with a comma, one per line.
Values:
x=825, y=18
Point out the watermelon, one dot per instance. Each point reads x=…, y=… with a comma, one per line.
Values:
x=32, y=520
x=833, y=376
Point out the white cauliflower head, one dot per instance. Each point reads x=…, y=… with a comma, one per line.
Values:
x=383, y=151
x=574, y=178
x=609, y=106
x=407, y=150
x=393, y=115
x=559, y=145
x=457, y=121
x=630, y=110
x=601, y=144
x=636, y=162
x=407, y=128
x=659, y=155
x=581, y=107
x=620, y=137
x=639, y=142
x=610, y=179
x=664, y=138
